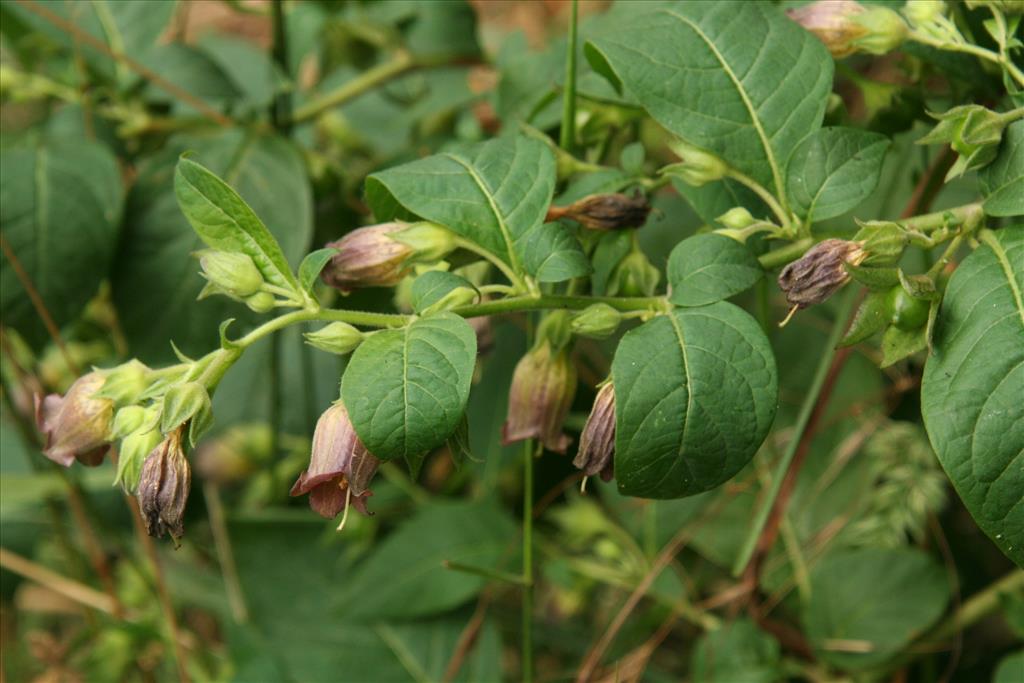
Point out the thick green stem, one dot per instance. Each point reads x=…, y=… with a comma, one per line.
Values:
x=810, y=401
x=567, y=133
x=554, y=301
x=970, y=49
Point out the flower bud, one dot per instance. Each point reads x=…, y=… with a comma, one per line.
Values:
x=605, y=211
x=543, y=386
x=847, y=27
x=429, y=241
x=886, y=30
x=233, y=273
x=736, y=218
x=135, y=447
x=634, y=276
x=337, y=337
x=698, y=166
x=340, y=467
x=973, y=132
x=923, y=12
x=598, y=321
x=261, y=302
x=381, y=255
x=126, y=383
x=597, y=441
x=164, y=485
x=76, y=426
x=816, y=275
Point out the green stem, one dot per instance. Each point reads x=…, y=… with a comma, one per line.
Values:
x=506, y=270
x=401, y=63
x=810, y=401
x=555, y=301
x=783, y=255
x=977, y=607
x=527, y=635
x=980, y=52
x=567, y=133
x=765, y=195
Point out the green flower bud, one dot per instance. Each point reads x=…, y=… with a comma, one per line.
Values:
x=736, y=218
x=886, y=30
x=232, y=273
x=923, y=12
x=261, y=302
x=337, y=337
x=697, y=167
x=429, y=241
x=186, y=402
x=882, y=241
x=973, y=131
x=635, y=276
x=135, y=448
x=598, y=321
x=126, y=383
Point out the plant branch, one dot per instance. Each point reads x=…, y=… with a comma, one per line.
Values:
x=401, y=63
x=225, y=554
x=970, y=49
x=73, y=590
x=567, y=132
x=977, y=607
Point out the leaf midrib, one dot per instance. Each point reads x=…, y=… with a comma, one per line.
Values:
x=765, y=141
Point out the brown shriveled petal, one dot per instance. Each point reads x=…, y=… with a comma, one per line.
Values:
x=339, y=462
x=816, y=275
x=597, y=441
x=76, y=426
x=543, y=386
x=368, y=257
x=609, y=211
x=164, y=485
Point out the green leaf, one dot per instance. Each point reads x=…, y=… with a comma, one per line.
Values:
x=406, y=390
x=224, y=221
x=897, y=344
x=404, y=577
x=695, y=394
x=1002, y=181
x=713, y=199
x=155, y=270
x=60, y=208
x=833, y=170
x=190, y=70
x=611, y=248
x=1010, y=668
x=494, y=193
x=874, y=279
x=707, y=268
x=739, y=652
x=433, y=286
x=877, y=599
x=309, y=269
x=972, y=387
x=738, y=79
x=551, y=253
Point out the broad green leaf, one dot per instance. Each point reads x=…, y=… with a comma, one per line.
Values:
x=875, y=599
x=224, y=221
x=250, y=69
x=190, y=70
x=312, y=264
x=432, y=286
x=738, y=79
x=551, y=253
x=897, y=344
x=833, y=170
x=60, y=208
x=493, y=193
x=1002, y=181
x=611, y=248
x=739, y=652
x=696, y=392
x=155, y=270
x=973, y=383
x=714, y=199
x=426, y=648
x=406, y=389
x=1010, y=668
x=404, y=577
x=707, y=268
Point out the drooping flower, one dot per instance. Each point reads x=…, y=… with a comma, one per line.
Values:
x=543, y=386
x=381, y=255
x=164, y=485
x=816, y=275
x=613, y=211
x=340, y=466
x=76, y=426
x=597, y=441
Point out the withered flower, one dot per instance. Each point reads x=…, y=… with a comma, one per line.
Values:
x=597, y=441
x=543, y=385
x=605, y=211
x=164, y=486
x=76, y=426
x=340, y=467
x=816, y=275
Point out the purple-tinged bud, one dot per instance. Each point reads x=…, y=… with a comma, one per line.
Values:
x=543, y=386
x=164, y=485
x=76, y=426
x=340, y=467
x=605, y=211
x=381, y=255
x=597, y=441
x=847, y=27
x=816, y=275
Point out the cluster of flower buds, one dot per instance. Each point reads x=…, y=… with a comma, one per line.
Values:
x=847, y=27
x=597, y=441
x=543, y=386
x=973, y=132
x=816, y=275
x=381, y=255
x=236, y=276
x=340, y=466
x=605, y=211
